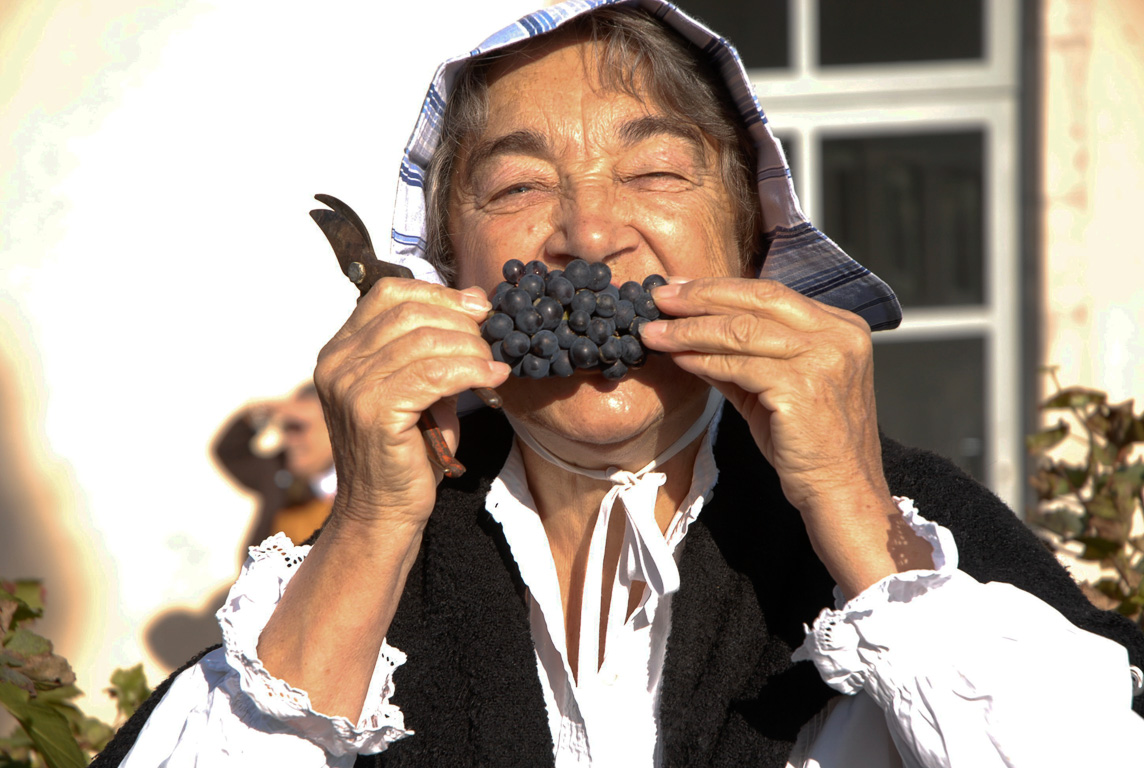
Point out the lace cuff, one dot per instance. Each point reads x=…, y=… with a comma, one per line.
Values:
x=841, y=644
x=248, y=608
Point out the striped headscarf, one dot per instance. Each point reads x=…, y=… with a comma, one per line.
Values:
x=797, y=254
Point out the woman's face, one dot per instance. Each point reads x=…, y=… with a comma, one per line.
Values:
x=565, y=169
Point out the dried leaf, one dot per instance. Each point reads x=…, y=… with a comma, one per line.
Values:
x=15, y=677
x=37, y=662
x=1097, y=548
x=1103, y=507
x=1075, y=397
x=1105, y=454
x=1047, y=439
x=27, y=643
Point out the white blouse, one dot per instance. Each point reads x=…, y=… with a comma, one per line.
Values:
x=941, y=671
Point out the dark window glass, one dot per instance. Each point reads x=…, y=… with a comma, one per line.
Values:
x=911, y=209
x=931, y=394
x=759, y=28
x=889, y=31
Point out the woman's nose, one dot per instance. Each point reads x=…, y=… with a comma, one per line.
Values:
x=591, y=226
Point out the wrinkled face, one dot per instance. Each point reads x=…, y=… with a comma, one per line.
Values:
x=565, y=169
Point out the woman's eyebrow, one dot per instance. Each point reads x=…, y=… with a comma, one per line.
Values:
x=523, y=142
x=650, y=126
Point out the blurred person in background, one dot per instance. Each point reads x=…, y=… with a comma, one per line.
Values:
x=281, y=451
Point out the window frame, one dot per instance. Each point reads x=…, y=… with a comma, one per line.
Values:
x=810, y=103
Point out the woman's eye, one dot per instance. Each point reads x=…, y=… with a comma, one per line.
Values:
x=515, y=189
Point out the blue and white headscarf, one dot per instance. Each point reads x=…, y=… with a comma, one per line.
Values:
x=798, y=255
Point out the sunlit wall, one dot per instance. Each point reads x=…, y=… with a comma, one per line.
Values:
x=1094, y=193
x=158, y=270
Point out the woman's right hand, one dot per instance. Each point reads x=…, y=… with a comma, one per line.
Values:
x=409, y=346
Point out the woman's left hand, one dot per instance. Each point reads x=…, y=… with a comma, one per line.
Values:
x=801, y=373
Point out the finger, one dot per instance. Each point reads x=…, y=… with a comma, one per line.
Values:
x=397, y=400
x=422, y=344
x=714, y=296
x=395, y=290
x=744, y=334
x=396, y=322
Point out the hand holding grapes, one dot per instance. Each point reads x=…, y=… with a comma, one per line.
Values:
x=801, y=374
x=408, y=346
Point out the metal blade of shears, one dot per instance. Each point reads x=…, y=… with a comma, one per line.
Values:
x=350, y=240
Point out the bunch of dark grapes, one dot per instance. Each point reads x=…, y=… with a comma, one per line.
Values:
x=551, y=323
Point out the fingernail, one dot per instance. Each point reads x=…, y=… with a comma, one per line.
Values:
x=475, y=300
x=499, y=368
x=654, y=328
x=679, y=280
x=666, y=291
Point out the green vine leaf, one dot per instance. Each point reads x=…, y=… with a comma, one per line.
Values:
x=47, y=728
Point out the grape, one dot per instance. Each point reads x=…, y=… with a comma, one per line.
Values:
x=562, y=364
x=645, y=307
x=560, y=288
x=653, y=281
x=630, y=290
x=600, y=276
x=611, y=350
x=551, y=313
x=600, y=329
x=533, y=284
x=515, y=300
x=515, y=345
x=498, y=294
x=605, y=305
x=578, y=320
x=497, y=327
x=584, y=301
x=633, y=352
x=578, y=273
x=565, y=335
x=534, y=367
x=545, y=344
x=615, y=371
x=584, y=353
x=550, y=323
x=625, y=313
x=528, y=321
x=513, y=270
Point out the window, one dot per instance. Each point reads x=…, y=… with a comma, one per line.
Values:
x=900, y=121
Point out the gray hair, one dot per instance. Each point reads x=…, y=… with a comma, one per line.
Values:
x=640, y=57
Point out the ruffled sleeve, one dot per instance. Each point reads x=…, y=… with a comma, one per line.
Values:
x=228, y=710
x=975, y=674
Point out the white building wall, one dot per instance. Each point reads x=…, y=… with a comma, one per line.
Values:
x=1094, y=193
x=158, y=270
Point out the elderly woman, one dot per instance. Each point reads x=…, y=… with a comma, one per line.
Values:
x=563, y=601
